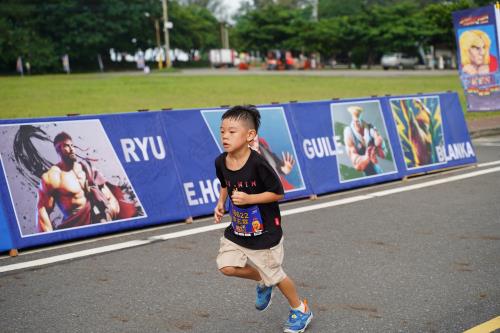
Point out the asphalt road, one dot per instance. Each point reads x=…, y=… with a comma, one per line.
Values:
x=422, y=260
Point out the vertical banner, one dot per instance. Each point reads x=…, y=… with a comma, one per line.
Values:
x=478, y=49
x=497, y=19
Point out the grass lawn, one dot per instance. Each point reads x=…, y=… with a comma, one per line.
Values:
x=57, y=95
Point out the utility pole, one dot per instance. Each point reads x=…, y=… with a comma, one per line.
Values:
x=315, y=19
x=224, y=35
x=315, y=11
x=165, y=30
x=158, y=42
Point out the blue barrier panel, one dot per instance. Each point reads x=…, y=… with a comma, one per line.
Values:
x=139, y=169
x=336, y=155
x=5, y=233
x=196, y=152
x=5, y=237
x=431, y=132
x=124, y=178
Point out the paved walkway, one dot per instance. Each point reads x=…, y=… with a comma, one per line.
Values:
x=484, y=126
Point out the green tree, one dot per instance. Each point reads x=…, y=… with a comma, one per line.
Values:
x=380, y=29
x=337, y=8
x=440, y=23
x=290, y=4
x=269, y=28
x=19, y=37
x=195, y=28
x=42, y=31
x=326, y=37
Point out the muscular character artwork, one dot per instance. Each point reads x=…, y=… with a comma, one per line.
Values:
x=420, y=130
x=364, y=145
x=61, y=177
x=80, y=192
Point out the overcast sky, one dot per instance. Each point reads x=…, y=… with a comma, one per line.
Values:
x=232, y=6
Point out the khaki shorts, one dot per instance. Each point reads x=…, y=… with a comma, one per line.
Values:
x=267, y=261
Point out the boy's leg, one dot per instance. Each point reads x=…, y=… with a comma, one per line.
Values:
x=300, y=315
x=247, y=272
x=287, y=288
x=232, y=261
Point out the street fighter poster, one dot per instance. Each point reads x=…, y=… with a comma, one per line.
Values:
x=478, y=50
x=420, y=130
x=65, y=175
x=273, y=142
x=363, y=139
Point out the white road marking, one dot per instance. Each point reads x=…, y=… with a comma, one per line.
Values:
x=183, y=233
x=488, y=141
x=487, y=164
x=205, y=219
x=101, y=238
x=488, y=144
x=73, y=255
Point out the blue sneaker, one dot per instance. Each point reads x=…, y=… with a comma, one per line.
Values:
x=264, y=295
x=298, y=321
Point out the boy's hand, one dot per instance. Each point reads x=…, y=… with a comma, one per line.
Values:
x=240, y=198
x=219, y=212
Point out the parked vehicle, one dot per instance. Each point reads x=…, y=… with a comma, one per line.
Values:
x=223, y=58
x=398, y=60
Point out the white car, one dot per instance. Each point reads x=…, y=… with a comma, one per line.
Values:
x=398, y=60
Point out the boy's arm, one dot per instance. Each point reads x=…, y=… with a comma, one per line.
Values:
x=220, y=209
x=242, y=198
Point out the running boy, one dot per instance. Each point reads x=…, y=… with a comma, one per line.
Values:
x=252, y=245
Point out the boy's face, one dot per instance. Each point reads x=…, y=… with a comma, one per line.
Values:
x=235, y=134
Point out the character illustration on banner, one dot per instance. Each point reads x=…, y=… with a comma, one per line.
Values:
x=364, y=145
x=475, y=53
x=420, y=129
x=73, y=184
x=282, y=166
x=274, y=144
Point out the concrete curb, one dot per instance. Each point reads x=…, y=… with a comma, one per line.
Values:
x=484, y=132
x=486, y=126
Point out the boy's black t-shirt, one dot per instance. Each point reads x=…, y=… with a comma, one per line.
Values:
x=256, y=176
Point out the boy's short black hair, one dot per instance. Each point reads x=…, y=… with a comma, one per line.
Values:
x=248, y=113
